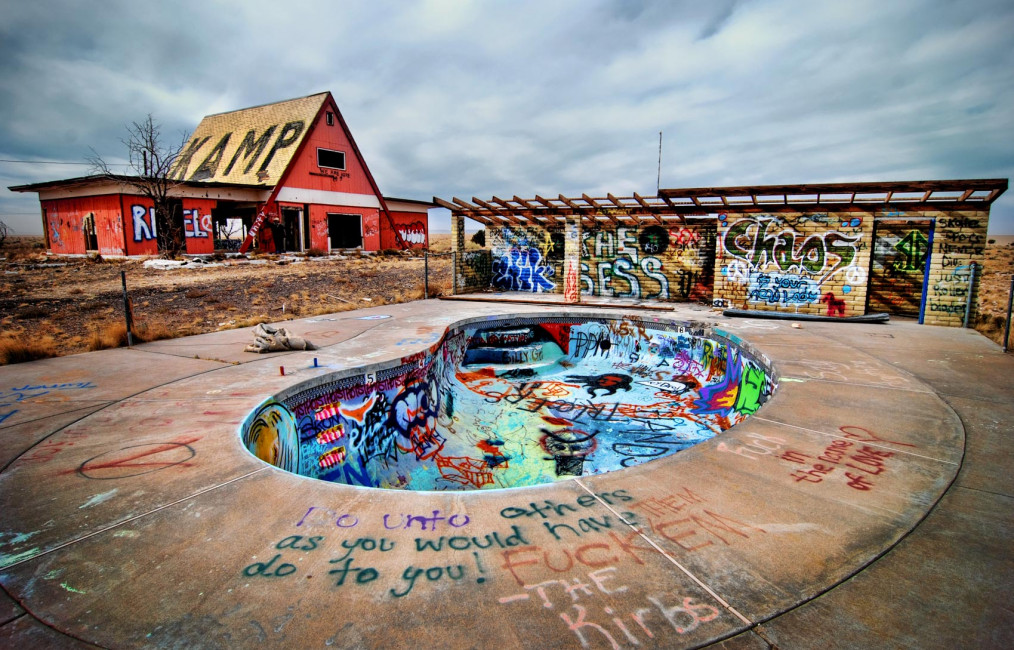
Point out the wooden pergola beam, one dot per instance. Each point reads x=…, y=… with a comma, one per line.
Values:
x=678, y=203
x=592, y=202
x=494, y=210
x=837, y=188
x=523, y=202
x=503, y=203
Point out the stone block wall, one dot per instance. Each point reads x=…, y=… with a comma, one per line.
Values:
x=527, y=258
x=959, y=239
x=650, y=262
x=814, y=263
x=900, y=250
x=835, y=264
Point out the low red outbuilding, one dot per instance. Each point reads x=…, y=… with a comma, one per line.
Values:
x=287, y=176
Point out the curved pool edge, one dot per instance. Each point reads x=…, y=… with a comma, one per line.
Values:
x=321, y=427
x=733, y=510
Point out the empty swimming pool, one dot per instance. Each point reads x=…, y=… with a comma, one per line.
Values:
x=512, y=402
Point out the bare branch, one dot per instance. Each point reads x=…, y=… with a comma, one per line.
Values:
x=151, y=162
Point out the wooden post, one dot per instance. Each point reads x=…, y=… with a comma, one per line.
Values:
x=127, y=310
x=1010, y=304
x=457, y=250
x=572, y=260
x=971, y=289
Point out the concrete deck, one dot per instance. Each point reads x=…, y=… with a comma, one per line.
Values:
x=133, y=517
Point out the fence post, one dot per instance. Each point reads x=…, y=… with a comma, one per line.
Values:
x=968, y=298
x=426, y=275
x=1010, y=303
x=126, y=310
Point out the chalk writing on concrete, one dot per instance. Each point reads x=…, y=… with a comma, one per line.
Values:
x=134, y=460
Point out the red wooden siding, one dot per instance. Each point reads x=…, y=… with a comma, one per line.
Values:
x=305, y=173
x=414, y=229
x=197, y=226
x=318, y=227
x=139, y=221
x=65, y=220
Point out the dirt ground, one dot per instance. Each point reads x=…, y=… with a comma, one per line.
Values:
x=74, y=305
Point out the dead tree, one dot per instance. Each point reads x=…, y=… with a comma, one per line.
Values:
x=151, y=162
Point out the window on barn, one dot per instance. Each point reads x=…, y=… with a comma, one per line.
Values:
x=330, y=118
x=329, y=158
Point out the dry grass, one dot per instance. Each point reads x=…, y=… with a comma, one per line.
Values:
x=145, y=332
x=114, y=335
x=19, y=347
x=111, y=335
x=33, y=311
x=82, y=296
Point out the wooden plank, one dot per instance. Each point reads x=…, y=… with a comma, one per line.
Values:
x=494, y=210
x=839, y=188
x=570, y=203
x=503, y=203
x=523, y=202
x=589, y=200
x=444, y=204
x=640, y=199
x=545, y=202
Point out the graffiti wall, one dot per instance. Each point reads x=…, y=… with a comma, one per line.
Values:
x=476, y=271
x=959, y=240
x=80, y=225
x=525, y=258
x=413, y=229
x=900, y=251
x=198, y=229
x=515, y=403
x=804, y=263
x=650, y=262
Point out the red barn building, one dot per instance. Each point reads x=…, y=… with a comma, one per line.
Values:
x=294, y=160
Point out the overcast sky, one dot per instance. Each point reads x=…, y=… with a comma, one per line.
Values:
x=451, y=98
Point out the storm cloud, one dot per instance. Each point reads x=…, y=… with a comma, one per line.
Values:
x=452, y=98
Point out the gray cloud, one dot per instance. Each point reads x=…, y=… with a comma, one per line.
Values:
x=475, y=99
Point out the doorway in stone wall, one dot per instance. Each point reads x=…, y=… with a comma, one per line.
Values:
x=899, y=265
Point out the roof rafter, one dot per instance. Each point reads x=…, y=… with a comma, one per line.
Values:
x=677, y=204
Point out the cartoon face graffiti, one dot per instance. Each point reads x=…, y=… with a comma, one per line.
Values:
x=414, y=415
x=609, y=382
x=272, y=437
x=568, y=448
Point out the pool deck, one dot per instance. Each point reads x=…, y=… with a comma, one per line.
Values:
x=869, y=503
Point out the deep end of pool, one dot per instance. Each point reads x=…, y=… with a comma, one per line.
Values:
x=513, y=402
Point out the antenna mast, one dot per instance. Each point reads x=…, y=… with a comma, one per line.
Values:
x=658, y=181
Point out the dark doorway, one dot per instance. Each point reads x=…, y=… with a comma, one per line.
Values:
x=231, y=225
x=307, y=244
x=290, y=217
x=898, y=272
x=88, y=227
x=345, y=230
x=170, y=228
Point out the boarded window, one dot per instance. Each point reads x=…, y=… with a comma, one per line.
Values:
x=329, y=158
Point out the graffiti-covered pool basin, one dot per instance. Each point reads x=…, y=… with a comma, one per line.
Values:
x=514, y=402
